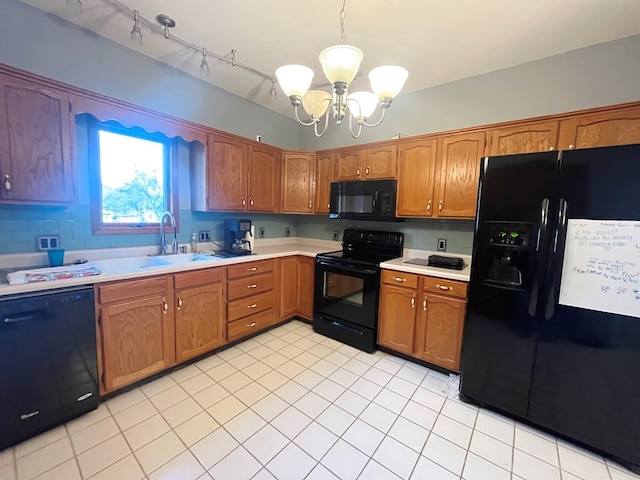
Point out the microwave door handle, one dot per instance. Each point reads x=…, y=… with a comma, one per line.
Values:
x=375, y=200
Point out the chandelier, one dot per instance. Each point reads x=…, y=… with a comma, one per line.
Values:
x=340, y=64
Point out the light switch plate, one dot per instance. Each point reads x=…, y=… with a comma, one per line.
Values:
x=47, y=242
x=442, y=244
x=204, y=235
x=261, y=232
x=287, y=231
x=336, y=235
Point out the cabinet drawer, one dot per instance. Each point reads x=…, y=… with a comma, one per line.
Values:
x=243, y=287
x=247, y=326
x=129, y=289
x=250, y=268
x=249, y=306
x=451, y=288
x=198, y=277
x=409, y=280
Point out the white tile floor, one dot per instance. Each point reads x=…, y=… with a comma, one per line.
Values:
x=292, y=404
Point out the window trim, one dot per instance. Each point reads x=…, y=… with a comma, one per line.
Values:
x=98, y=227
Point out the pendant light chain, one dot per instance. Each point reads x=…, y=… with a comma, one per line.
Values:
x=343, y=38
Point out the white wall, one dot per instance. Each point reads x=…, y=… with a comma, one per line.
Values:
x=52, y=47
x=596, y=76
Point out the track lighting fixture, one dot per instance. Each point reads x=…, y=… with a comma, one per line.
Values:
x=167, y=22
x=136, y=33
x=273, y=92
x=204, y=66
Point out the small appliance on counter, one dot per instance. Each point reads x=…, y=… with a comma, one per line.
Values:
x=237, y=234
x=439, y=261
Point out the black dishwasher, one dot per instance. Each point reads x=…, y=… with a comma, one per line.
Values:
x=48, y=366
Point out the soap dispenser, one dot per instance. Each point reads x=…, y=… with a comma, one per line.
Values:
x=194, y=243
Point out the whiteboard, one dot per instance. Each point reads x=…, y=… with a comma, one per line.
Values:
x=601, y=268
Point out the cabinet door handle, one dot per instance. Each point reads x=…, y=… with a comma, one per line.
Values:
x=440, y=206
x=413, y=301
x=254, y=305
x=444, y=287
x=399, y=279
x=7, y=183
x=358, y=172
x=551, y=149
x=253, y=285
x=243, y=202
x=252, y=269
x=366, y=171
x=179, y=302
x=329, y=205
x=252, y=324
x=165, y=305
x=571, y=147
x=429, y=206
x=251, y=201
x=424, y=304
x=309, y=204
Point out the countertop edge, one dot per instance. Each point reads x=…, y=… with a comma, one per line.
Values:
x=399, y=265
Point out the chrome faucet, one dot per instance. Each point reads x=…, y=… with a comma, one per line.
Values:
x=163, y=240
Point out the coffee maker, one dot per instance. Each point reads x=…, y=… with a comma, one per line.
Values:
x=236, y=233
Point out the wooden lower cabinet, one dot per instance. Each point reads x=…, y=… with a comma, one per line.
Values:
x=397, y=314
x=439, y=331
x=296, y=287
x=416, y=322
x=199, y=313
x=136, y=328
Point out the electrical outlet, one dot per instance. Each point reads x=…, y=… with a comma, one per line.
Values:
x=287, y=231
x=336, y=235
x=204, y=235
x=47, y=242
x=261, y=232
x=442, y=244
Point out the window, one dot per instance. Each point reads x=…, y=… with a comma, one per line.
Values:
x=131, y=178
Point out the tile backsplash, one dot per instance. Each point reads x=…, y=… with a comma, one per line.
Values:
x=20, y=226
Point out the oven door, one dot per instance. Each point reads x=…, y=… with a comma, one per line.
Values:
x=347, y=292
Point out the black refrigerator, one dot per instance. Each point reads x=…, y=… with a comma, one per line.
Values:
x=552, y=334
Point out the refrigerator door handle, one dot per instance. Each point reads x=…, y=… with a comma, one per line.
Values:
x=558, y=239
x=542, y=234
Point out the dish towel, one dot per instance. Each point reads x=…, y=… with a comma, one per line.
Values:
x=54, y=273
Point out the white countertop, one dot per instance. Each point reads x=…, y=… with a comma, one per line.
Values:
x=124, y=268
x=399, y=265
x=129, y=267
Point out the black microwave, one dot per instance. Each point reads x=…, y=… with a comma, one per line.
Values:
x=364, y=200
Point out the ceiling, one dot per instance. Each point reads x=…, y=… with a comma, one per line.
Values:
x=437, y=41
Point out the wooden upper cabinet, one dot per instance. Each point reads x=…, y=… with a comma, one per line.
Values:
x=416, y=175
x=297, y=182
x=397, y=318
x=368, y=164
x=537, y=137
x=227, y=173
x=324, y=177
x=618, y=127
x=35, y=143
x=379, y=162
x=200, y=320
x=348, y=165
x=459, y=167
x=439, y=331
x=264, y=176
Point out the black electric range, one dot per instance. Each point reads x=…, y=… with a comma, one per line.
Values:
x=347, y=286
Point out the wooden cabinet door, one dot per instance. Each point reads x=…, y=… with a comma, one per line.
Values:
x=35, y=144
x=416, y=178
x=137, y=340
x=200, y=320
x=297, y=183
x=439, y=331
x=288, y=287
x=348, y=165
x=380, y=162
x=306, y=268
x=397, y=318
x=459, y=168
x=264, y=176
x=324, y=177
x=537, y=137
x=227, y=173
x=618, y=127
